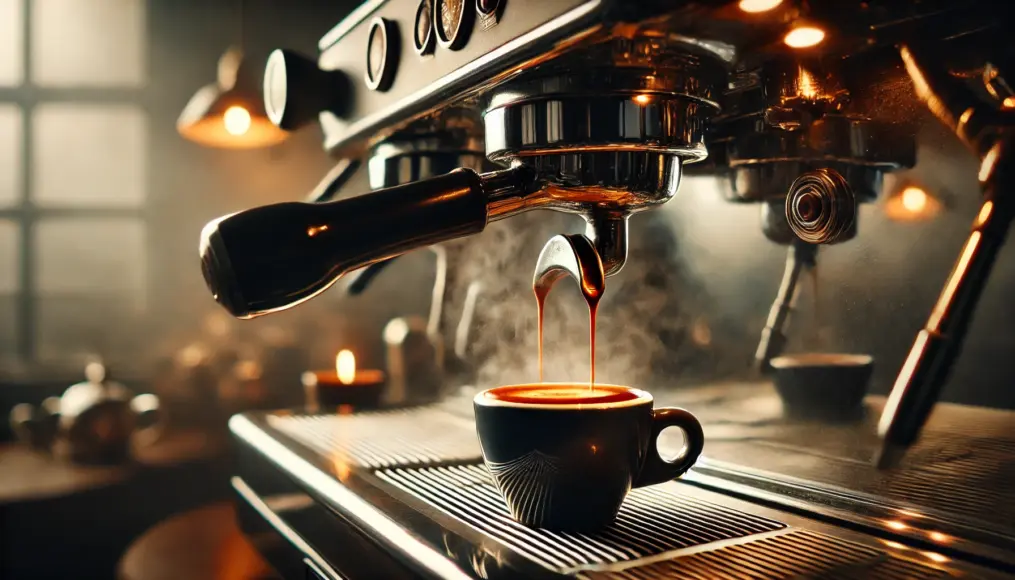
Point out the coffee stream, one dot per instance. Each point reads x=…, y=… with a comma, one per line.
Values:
x=593, y=302
x=592, y=284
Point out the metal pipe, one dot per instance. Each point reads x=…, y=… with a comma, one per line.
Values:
x=927, y=368
x=800, y=256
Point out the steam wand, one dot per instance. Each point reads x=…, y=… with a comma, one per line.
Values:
x=989, y=133
x=800, y=256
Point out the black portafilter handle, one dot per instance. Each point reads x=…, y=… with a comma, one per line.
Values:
x=270, y=258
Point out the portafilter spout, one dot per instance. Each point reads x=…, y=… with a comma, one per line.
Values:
x=570, y=255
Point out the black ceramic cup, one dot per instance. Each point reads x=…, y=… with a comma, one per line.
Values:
x=825, y=386
x=564, y=458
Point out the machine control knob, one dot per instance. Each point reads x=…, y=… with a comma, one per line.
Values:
x=821, y=207
x=296, y=90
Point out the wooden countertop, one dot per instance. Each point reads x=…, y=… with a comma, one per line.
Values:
x=28, y=475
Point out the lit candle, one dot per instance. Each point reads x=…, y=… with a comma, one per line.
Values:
x=346, y=385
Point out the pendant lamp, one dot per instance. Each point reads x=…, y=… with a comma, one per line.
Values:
x=229, y=113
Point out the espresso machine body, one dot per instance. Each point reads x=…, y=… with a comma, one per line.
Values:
x=466, y=112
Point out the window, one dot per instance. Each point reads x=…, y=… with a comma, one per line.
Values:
x=73, y=178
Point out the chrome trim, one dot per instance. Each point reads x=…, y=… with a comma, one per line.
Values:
x=358, y=15
x=393, y=536
x=483, y=63
x=841, y=505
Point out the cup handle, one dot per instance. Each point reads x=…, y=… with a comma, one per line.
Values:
x=656, y=469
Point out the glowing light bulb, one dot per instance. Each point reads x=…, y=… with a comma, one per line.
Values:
x=1008, y=103
x=345, y=366
x=755, y=6
x=237, y=120
x=914, y=199
x=804, y=37
x=934, y=556
x=642, y=99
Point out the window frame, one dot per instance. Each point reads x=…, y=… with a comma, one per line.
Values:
x=26, y=214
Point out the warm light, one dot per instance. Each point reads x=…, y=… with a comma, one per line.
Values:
x=192, y=355
x=894, y=545
x=896, y=525
x=914, y=199
x=939, y=537
x=988, y=163
x=237, y=120
x=248, y=370
x=701, y=334
x=806, y=87
x=754, y=6
x=940, y=559
x=985, y=212
x=913, y=203
x=910, y=513
x=345, y=365
x=1008, y=103
x=804, y=36
x=314, y=230
x=643, y=99
x=340, y=464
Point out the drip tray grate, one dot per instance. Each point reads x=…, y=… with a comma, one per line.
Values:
x=379, y=439
x=797, y=554
x=652, y=521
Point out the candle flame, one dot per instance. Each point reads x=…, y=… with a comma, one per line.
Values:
x=345, y=365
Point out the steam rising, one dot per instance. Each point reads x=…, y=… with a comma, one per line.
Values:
x=643, y=328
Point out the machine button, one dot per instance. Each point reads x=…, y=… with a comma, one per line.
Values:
x=423, y=37
x=382, y=54
x=296, y=90
x=452, y=22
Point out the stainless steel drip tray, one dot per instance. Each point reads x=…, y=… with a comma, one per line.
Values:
x=399, y=488
x=673, y=530
x=384, y=438
x=652, y=521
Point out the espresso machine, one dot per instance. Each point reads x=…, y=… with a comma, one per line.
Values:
x=467, y=112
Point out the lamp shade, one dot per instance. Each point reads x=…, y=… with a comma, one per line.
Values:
x=229, y=113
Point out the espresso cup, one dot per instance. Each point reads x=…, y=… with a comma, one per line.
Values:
x=564, y=456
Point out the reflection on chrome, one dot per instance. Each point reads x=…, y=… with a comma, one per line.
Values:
x=896, y=525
